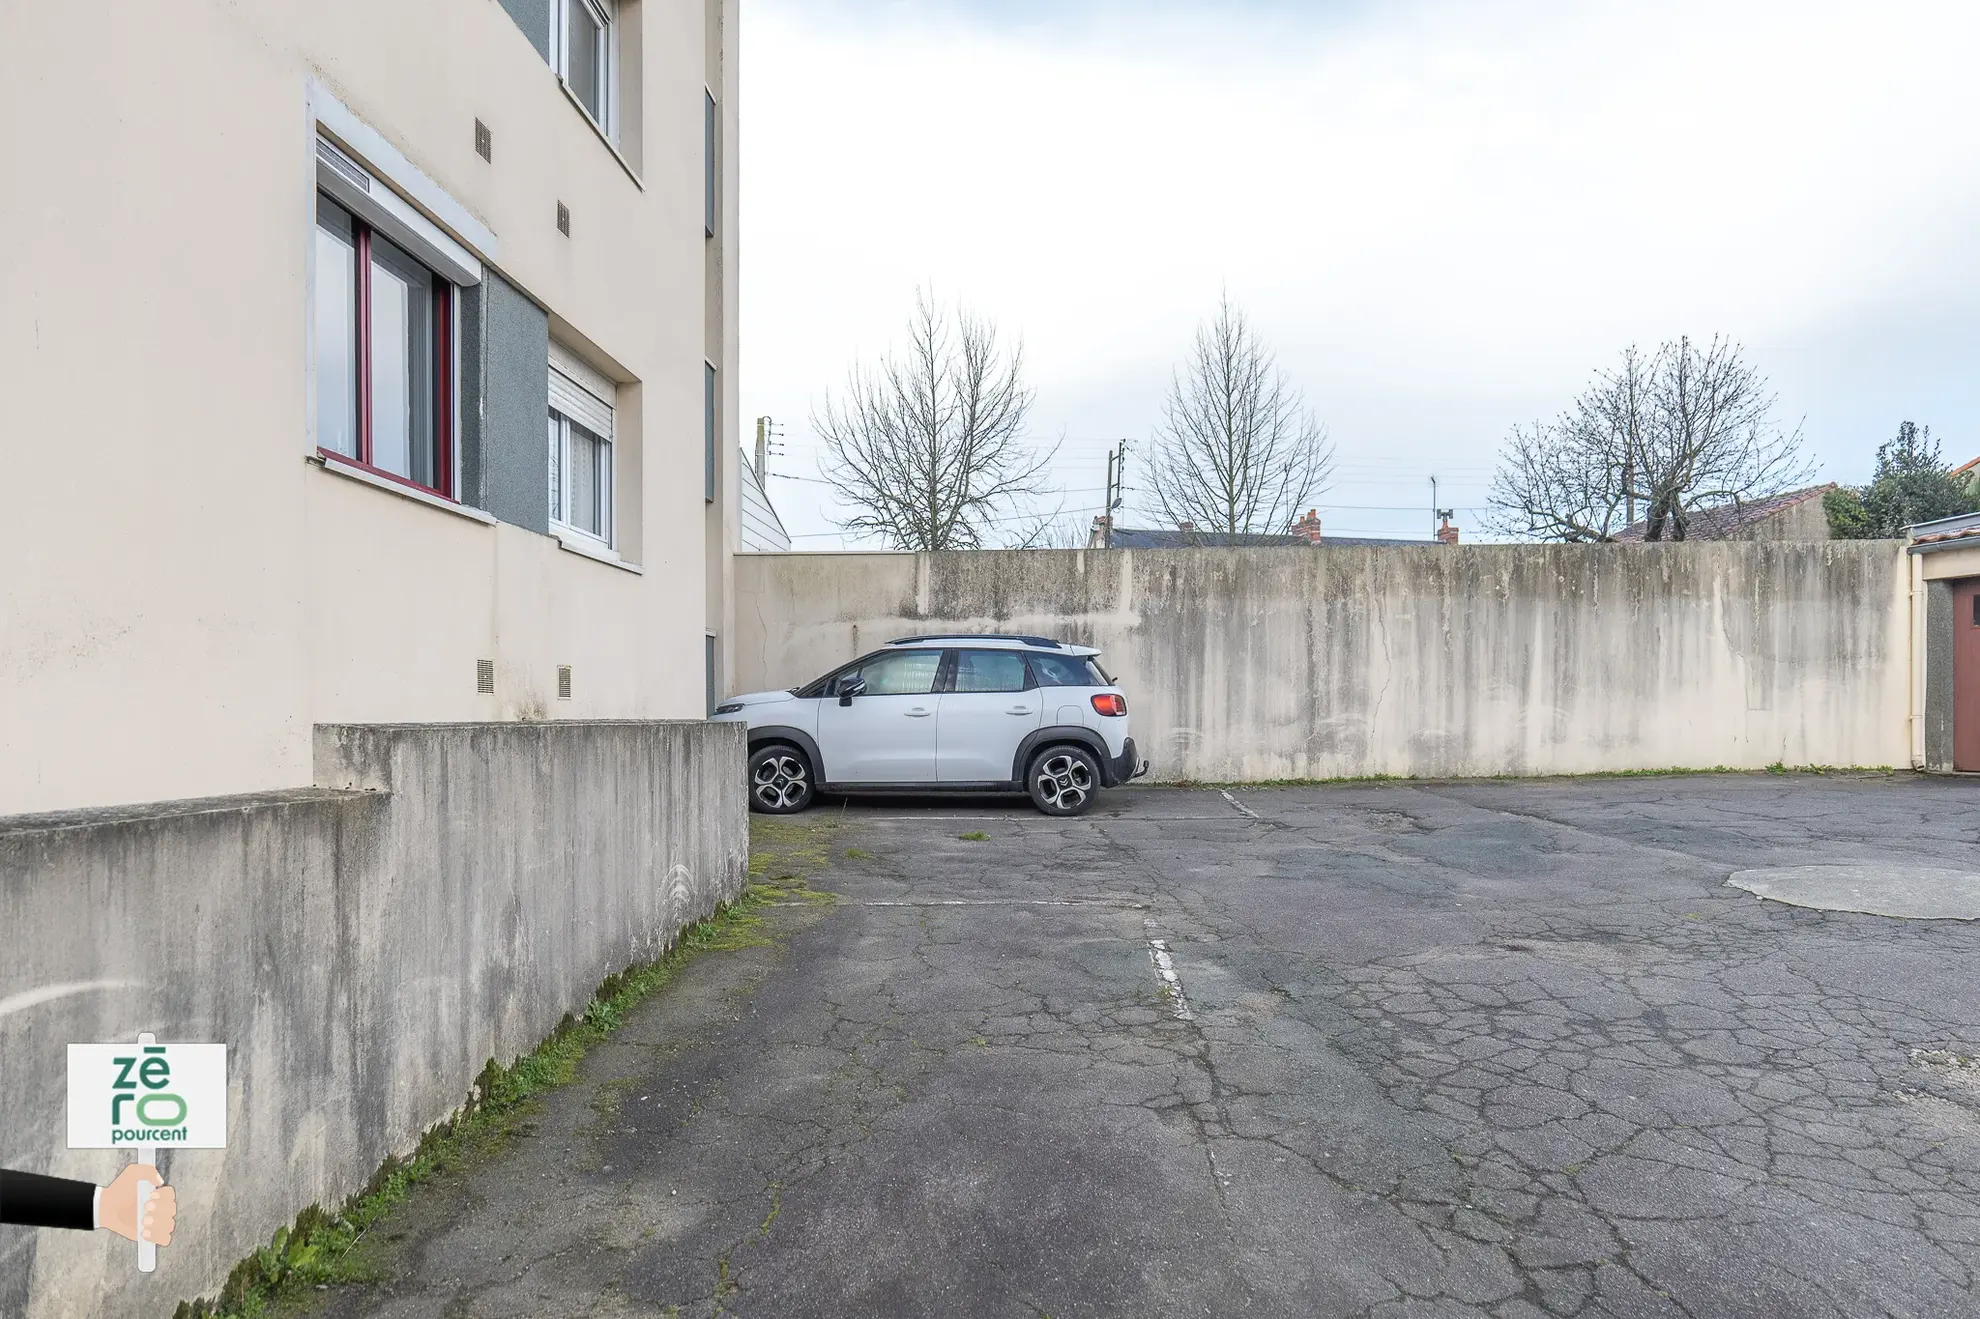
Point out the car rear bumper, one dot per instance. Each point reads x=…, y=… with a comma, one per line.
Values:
x=1126, y=766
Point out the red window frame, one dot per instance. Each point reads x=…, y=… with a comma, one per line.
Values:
x=443, y=377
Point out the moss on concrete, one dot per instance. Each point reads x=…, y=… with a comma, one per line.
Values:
x=324, y=1248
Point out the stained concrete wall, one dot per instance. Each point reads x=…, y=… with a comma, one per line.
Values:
x=1483, y=660
x=363, y=948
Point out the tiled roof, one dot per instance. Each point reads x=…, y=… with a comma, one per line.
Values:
x=1127, y=538
x=1947, y=537
x=1718, y=523
x=1385, y=541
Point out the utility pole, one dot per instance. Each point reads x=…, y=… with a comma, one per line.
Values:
x=1439, y=517
x=1107, y=514
x=1116, y=489
x=767, y=434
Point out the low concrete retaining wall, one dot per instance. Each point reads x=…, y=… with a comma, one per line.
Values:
x=1478, y=660
x=363, y=948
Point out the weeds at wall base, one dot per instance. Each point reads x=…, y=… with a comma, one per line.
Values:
x=1671, y=773
x=319, y=1248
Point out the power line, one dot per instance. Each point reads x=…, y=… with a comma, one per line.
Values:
x=1323, y=507
x=819, y=480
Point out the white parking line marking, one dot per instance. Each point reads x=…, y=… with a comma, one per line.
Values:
x=1241, y=808
x=1165, y=966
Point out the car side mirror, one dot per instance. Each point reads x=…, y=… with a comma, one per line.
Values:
x=849, y=688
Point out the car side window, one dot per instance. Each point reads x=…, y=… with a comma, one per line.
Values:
x=1064, y=671
x=989, y=671
x=903, y=673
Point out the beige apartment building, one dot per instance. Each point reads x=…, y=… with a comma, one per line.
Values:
x=368, y=362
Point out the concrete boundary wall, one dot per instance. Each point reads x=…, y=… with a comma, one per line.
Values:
x=444, y=897
x=1480, y=660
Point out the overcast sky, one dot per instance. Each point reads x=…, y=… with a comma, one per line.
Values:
x=1444, y=215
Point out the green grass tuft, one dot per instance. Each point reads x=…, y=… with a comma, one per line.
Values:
x=974, y=836
x=1670, y=772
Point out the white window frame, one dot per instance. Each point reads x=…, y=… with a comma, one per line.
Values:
x=579, y=393
x=606, y=13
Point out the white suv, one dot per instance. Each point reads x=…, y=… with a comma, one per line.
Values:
x=943, y=714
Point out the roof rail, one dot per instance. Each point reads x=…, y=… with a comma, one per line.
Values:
x=1957, y=522
x=1042, y=643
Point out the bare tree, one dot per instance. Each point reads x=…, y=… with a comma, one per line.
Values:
x=930, y=448
x=1571, y=480
x=1686, y=429
x=1237, y=451
x=1057, y=530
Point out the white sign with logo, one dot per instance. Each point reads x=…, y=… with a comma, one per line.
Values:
x=146, y=1094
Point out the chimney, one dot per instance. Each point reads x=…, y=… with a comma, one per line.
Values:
x=1186, y=528
x=1447, y=533
x=1308, y=527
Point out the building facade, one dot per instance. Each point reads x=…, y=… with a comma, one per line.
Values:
x=1945, y=595
x=758, y=528
x=366, y=363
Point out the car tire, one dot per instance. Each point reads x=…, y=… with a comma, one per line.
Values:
x=1063, y=780
x=780, y=780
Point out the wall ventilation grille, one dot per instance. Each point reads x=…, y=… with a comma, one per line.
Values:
x=484, y=141
x=484, y=677
x=563, y=219
x=563, y=682
x=344, y=165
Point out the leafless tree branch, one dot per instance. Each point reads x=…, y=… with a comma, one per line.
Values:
x=930, y=446
x=1688, y=428
x=1237, y=451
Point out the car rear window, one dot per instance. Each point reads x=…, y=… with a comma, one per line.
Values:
x=1066, y=671
x=989, y=671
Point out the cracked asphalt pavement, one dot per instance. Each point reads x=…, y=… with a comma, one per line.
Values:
x=1508, y=1049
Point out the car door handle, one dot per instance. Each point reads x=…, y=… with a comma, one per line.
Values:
x=919, y=713
x=1020, y=709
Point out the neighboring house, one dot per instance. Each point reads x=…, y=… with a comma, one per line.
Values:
x=1968, y=476
x=1797, y=516
x=1945, y=557
x=1304, y=534
x=303, y=290
x=758, y=528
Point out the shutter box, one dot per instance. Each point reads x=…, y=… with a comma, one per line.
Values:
x=581, y=392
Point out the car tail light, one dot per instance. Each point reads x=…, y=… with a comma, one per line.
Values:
x=1110, y=703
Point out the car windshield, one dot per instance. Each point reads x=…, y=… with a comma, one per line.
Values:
x=1067, y=671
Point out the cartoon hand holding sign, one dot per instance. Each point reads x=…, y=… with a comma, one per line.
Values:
x=143, y=1096
x=34, y=1201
